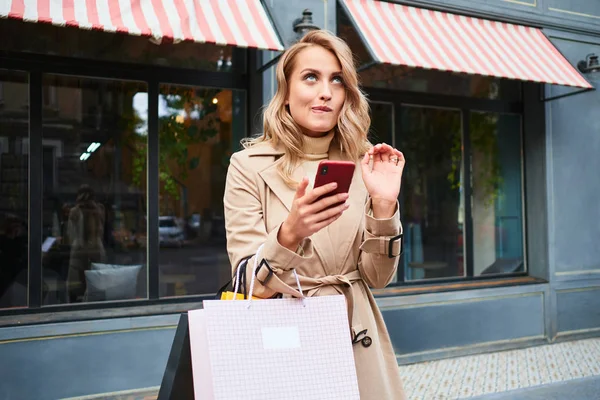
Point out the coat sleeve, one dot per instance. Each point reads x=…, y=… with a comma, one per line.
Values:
x=246, y=228
x=375, y=264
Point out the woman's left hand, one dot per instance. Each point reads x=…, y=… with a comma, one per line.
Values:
x=383, y=180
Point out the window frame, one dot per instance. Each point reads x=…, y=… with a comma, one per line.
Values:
x=465, y=105
x=36, y=65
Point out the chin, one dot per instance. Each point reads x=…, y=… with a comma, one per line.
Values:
x=320, y=129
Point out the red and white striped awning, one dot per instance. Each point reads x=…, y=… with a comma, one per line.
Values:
x=415, y=37
x=242, y=23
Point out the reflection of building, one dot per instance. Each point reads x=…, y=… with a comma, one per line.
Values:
x=497, y=248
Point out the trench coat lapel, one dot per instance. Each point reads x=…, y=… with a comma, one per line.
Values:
x=286, y=195
x=349, y=221
x=348, y=224
x=274, y=181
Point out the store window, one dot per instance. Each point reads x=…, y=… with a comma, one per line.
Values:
x=432, y=195
x=94, y=187
x=382, y=122
x=497, y=208
x=198, y=130
x=14, y=188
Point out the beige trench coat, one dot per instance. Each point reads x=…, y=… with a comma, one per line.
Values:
x=257, y=201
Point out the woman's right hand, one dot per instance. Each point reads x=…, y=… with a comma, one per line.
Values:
x=308, y=215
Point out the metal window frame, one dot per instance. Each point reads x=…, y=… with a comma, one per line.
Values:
x=465, y=105
x=36, y=65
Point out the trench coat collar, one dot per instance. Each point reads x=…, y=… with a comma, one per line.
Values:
x=348, y=222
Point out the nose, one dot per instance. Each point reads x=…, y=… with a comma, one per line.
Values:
x=325, y=92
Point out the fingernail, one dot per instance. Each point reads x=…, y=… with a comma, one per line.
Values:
x=333, y=184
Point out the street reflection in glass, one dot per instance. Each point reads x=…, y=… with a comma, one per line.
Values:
x=14, y=188
x=196, y=134
x=497, y=208
x=433, y=214
x=94, y=206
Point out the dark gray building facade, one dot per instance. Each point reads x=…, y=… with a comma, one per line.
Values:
x=500, y=202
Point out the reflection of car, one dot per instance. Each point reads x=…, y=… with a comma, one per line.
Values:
x=170, y=232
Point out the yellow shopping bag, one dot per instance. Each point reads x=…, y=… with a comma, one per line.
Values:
x=238, y=296
x=224, y=294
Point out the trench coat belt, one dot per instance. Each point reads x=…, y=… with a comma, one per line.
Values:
x=343, y=285
x=311, y=286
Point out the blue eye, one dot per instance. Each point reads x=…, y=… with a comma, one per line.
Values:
x=310, y=77
x=338, y=79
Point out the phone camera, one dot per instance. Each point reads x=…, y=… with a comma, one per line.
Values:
x=324, y=170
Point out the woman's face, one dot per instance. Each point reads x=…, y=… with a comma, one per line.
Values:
x=316, y=91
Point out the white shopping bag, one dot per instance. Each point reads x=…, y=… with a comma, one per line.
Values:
x=273, y=349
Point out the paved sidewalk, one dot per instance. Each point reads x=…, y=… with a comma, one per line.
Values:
x=577, y=389
x=561, y=368
x=569, y=370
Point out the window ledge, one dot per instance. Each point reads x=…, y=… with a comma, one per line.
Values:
x=48, y=316
x=455, y=286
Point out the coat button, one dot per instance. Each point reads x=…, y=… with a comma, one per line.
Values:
x=366, y=341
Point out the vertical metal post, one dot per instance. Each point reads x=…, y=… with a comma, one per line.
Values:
x=467, y=191
x=36, y=189
x=153, y=250
x=395, y=139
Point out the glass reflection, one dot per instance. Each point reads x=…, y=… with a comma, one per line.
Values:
x=497, y=193
x=198, y=130
x=14, y=188
x=94, y=208
x=432, y=206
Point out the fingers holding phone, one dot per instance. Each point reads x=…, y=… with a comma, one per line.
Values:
x=329, y=172
x=313, y=210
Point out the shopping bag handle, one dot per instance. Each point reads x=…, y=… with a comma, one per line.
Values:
x=237, y=276
x=236, y=280
x=256, y=257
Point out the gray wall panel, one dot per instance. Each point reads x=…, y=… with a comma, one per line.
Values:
x=536, y=194
x=580, y=15
x=573, y=146
x=578, y=309
x=459, y=324
x=76, y=366
x=85, y=327
x=574, y=10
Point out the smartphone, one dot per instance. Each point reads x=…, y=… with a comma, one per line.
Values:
x=340, y=172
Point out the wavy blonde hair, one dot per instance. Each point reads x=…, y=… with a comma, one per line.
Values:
x=279, y=128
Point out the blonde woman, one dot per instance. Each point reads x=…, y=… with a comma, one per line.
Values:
x=320, y=113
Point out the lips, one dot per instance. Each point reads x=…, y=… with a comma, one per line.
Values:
x=322, y=109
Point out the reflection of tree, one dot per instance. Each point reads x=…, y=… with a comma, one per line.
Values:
x=428, y=135
x=432, y=202
x=486, y=173
x=433, y=137
x=190, y=118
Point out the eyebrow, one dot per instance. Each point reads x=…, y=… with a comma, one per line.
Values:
x=319, y=72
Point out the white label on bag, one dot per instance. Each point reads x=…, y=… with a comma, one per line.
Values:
x=286, y=337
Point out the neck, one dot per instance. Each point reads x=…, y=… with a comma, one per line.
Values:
x=317, y=147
